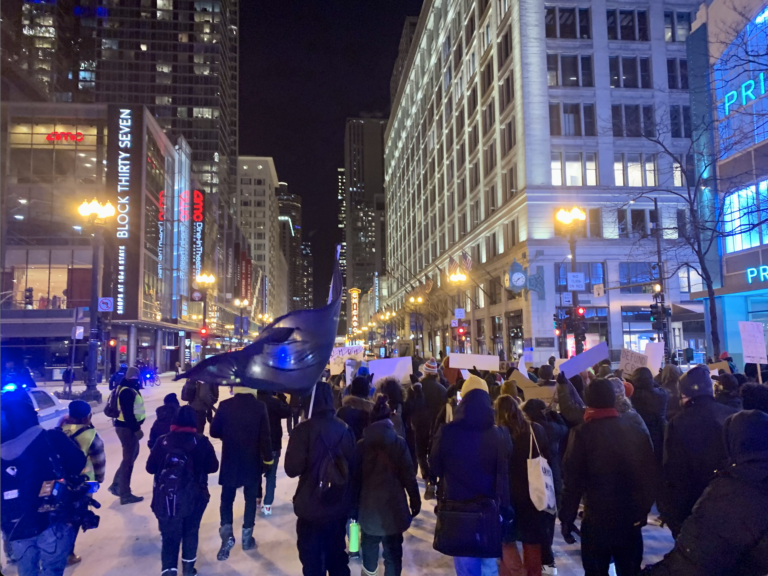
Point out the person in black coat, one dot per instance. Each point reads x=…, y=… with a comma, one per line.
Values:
x=423, y=416
x=693, y=447
x=181, y=529
x=727, y=532
x=532, y=528
x=165, y=415
x=384, y=475
x=465, y=459
x=321, y=526
x=242, y=424
x=356, y=407
x=650, y=401
x=610, y=464
x=278, y=410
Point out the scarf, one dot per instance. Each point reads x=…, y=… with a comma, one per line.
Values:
x=190, y=429
x=600, y=413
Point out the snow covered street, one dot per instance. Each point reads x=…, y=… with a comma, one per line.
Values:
x=128, y=541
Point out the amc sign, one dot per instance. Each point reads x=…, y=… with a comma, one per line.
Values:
x=65, y=137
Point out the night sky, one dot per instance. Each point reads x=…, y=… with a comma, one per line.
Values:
x=305, y=66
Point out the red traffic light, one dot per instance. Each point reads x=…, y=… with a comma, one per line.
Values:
x=580, y=311
x=461, y=330
x=204, y=330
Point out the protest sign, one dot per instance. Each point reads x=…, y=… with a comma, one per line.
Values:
x=584, y=360
x=655, y=353
x=631, y=361
x=753, y=342
x=340, y=354
x=480, y=361
x=399, y=368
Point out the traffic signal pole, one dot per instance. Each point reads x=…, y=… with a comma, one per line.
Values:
x=574, y=294
x=662, y=281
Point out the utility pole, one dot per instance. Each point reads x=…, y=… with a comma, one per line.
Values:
x=665, y=326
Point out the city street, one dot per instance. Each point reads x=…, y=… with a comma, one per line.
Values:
x=128, y=542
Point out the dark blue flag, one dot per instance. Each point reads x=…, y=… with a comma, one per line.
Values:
x=288, y=356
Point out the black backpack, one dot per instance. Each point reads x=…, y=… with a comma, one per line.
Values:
x=174, y=486
x=189, y=391
x=333, y=471
x=112, y=407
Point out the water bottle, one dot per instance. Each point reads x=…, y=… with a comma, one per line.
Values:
x=354, y=537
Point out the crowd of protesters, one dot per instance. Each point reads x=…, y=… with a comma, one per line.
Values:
x=686, y=450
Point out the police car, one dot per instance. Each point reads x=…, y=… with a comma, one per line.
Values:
x=49, y=409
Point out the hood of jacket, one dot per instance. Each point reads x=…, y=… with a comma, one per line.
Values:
x=475, y=411
x=670, y=376
x=12, y=449
x=357, y=403
x=323, y=404
x=166, y=412
x=642, y=379
x=746, y=440
x=380, y=433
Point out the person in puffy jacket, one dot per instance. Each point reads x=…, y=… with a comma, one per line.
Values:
x=650, y=401
x=321, y=525
x=384, y=475
x=727, y=532
x=165, y=415
x=356, y=407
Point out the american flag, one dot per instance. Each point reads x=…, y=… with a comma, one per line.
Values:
x=466, y=260
x=453, y=266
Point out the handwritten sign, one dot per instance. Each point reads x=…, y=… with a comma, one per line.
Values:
x=631, y=361
x=753, y=342
x=341, y=353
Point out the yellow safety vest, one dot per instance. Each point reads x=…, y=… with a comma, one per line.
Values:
x=84, y=441
x=138, y=406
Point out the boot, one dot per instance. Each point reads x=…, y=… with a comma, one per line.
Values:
x=227, y=542
x=249, y=542
x=429, y=493
x=188, y=567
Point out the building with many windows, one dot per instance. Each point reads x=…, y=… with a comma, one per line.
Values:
x=341, y=196
x=509, y=112
x=307, y=277
x=289, y=206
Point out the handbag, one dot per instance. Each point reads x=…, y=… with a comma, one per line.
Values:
x=474, y=528
x=541, y=486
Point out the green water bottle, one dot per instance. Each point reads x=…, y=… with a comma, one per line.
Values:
x=354, y=537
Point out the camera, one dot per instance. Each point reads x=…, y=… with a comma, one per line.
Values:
x=71, y=501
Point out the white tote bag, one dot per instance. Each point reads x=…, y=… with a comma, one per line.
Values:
x=541, y=485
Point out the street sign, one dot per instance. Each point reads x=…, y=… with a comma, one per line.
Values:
x=196, y=295
x=598, y=290
x=576, y=282
x=459, y=313
x=567, y=299
x=106, y=304
x=77, y=332
x=454, y=323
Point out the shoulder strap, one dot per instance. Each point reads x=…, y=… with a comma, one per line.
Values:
x=83, y=429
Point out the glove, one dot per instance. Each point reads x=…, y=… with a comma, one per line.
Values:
x=415, y=509
x=567, y=529
x=139, y=434
x=561, y=379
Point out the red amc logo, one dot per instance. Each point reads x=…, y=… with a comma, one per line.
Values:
x=198, y=204
x=65, y=136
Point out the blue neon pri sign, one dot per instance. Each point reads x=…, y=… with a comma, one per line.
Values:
x=748, y=90
x=753, y=273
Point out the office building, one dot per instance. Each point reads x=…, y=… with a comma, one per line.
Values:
x=258, y=216
x=409, y=29
x=509, y=112
x=364, y=173
x=289, y=206
x=307, y=277
x=341, y=196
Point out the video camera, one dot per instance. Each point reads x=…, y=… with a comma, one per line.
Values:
x=71, y=501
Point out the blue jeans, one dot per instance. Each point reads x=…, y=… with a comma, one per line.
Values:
x=45, y=554
x=271, y=475
x=475, y=566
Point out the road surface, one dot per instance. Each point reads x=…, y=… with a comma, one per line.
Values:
x=127, y=543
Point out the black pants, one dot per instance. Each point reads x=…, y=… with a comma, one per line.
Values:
x=599, y=545
x=202, y=416
x=422, y=453
x=130, y=445
x=181, y=531
x=392, y=552
x=251, y=492
x=293, y=418
x=322, y=547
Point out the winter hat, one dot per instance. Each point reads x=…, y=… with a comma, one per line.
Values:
x=430, y=367
x=381, y=409
x=746, y=436
x=473, y=383
x=360, y=387
x=186, y=417
x=509, y=388
x=604, y=371
x=79, y=409
x=546, y=372
x=600, y=394
x=696, y=382
x=534, y=409
x=729, y=382
x=132, y=373
x=171, y=399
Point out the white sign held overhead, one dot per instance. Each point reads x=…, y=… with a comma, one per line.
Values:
x=459, y=313
x=598, y=290
x=576, y=282
x=586, y=359
x=753, y=342
x=399, y=368
x=341, y=353
x=106, y=304
x=655, y=353
x=631, y=361
x=480, y=361
x=567, y=299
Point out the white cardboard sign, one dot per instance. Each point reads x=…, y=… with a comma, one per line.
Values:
x=585, y=360
x=753, y=342
x=340, y=354
x=481, y=361
x=400, y=368
x=631, y=361
x=655, y=353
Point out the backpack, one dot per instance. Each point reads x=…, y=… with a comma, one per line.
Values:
x=112, y=407
x=333, y=471
x=174, y=484
x=189, y=391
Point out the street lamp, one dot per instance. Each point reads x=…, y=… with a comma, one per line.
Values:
x=206, y=280
x=570, y=219
x=96, y=215
x=242, y=304
x=457, y=277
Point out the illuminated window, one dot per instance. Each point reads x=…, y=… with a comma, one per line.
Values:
x=740, y=219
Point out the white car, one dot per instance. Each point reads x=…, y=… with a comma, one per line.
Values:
x=49, y=409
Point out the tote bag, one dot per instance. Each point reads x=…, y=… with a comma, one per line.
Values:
x=541, y=486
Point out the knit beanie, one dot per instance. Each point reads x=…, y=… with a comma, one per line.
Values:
x=360, y=387
x=171, y=399
x=473, y=383
x=546, y=372
x=696, y=382
x=132, y=373
x=79, y=409
x=430, y=366
x=600, y=394
x=186, y=417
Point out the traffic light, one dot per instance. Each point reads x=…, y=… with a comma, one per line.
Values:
x=462, y=330
x=204, y=334
x=580, y=312
x=29, y=298
x=555, y=321
x=657, y=317
x=112, y=343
